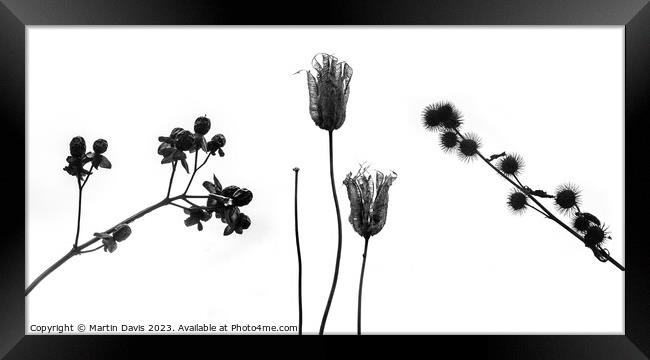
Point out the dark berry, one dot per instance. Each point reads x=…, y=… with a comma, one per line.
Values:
x=185, y=140
x=100, y=146
x=77, y=146
x=202, y=125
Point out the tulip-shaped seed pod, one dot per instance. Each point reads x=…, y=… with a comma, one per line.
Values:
x=329, y=90
x=368, y=208
x=368, y=212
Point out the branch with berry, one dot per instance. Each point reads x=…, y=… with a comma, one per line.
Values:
x=222, y=202
x=443, y=117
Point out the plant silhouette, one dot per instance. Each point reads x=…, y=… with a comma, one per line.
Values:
x=368, y=197
x=224, y=203
x=444, y=117
x=328, y=97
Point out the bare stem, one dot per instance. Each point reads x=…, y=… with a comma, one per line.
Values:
x=179, y=206
x=76, y=238
x=79, y=249
x=89, y=251
x=536, y=209
x=171, y=179
x=340, y=237
x=295, y=206
x=196, y=160
x=363, y=269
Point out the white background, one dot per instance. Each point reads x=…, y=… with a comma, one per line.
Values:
x=451, y=258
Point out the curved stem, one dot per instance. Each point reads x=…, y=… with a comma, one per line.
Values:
x=295, y=206
x=89, y=251
x=340, y=235
x=78, y=249
x=49, y=270
x=363, y=269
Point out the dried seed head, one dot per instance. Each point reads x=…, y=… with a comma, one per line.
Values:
x=229, y=191
x=566, y=197
x=100, y=146
x=109, y=244
x=581, y=223
x=175, y=132
x=441, y=115
x=184, y=140
x=517, y=201
x=122, y=231
x=243, y=221
x=468, y=147
x=328, y=91
x=448, y=140
x=595, y=235
x=77, y=146
x=242, y=197
x=511, y=165
x=219, y=140
x=202, y=125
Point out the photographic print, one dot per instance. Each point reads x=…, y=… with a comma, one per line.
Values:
x=121, y=119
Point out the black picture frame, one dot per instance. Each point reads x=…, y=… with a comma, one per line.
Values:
x=15, y=15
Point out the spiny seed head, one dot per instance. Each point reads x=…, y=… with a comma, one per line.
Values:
x=511, y=165
x=595, y=235
x=448, y=140
x=566, y=197
x=581, y=223
x=202, y=125
x=468, y=147
x=100, y=146
x=441, y=115
x=77, y=146
x=517, y=201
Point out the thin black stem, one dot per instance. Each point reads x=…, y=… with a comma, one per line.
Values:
x=196, y=160
x=518, y=182
x=363, y=269
x=204, y=161
x=86, y=180
x=340, y=234
x=189, y=202
x=49, y=270
x=79, y=249
x=295, y=206
x=171, y=179
x=549, y=214
x=180, y=206
x=89, y=251
x=536, y=209
x=76, y=238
